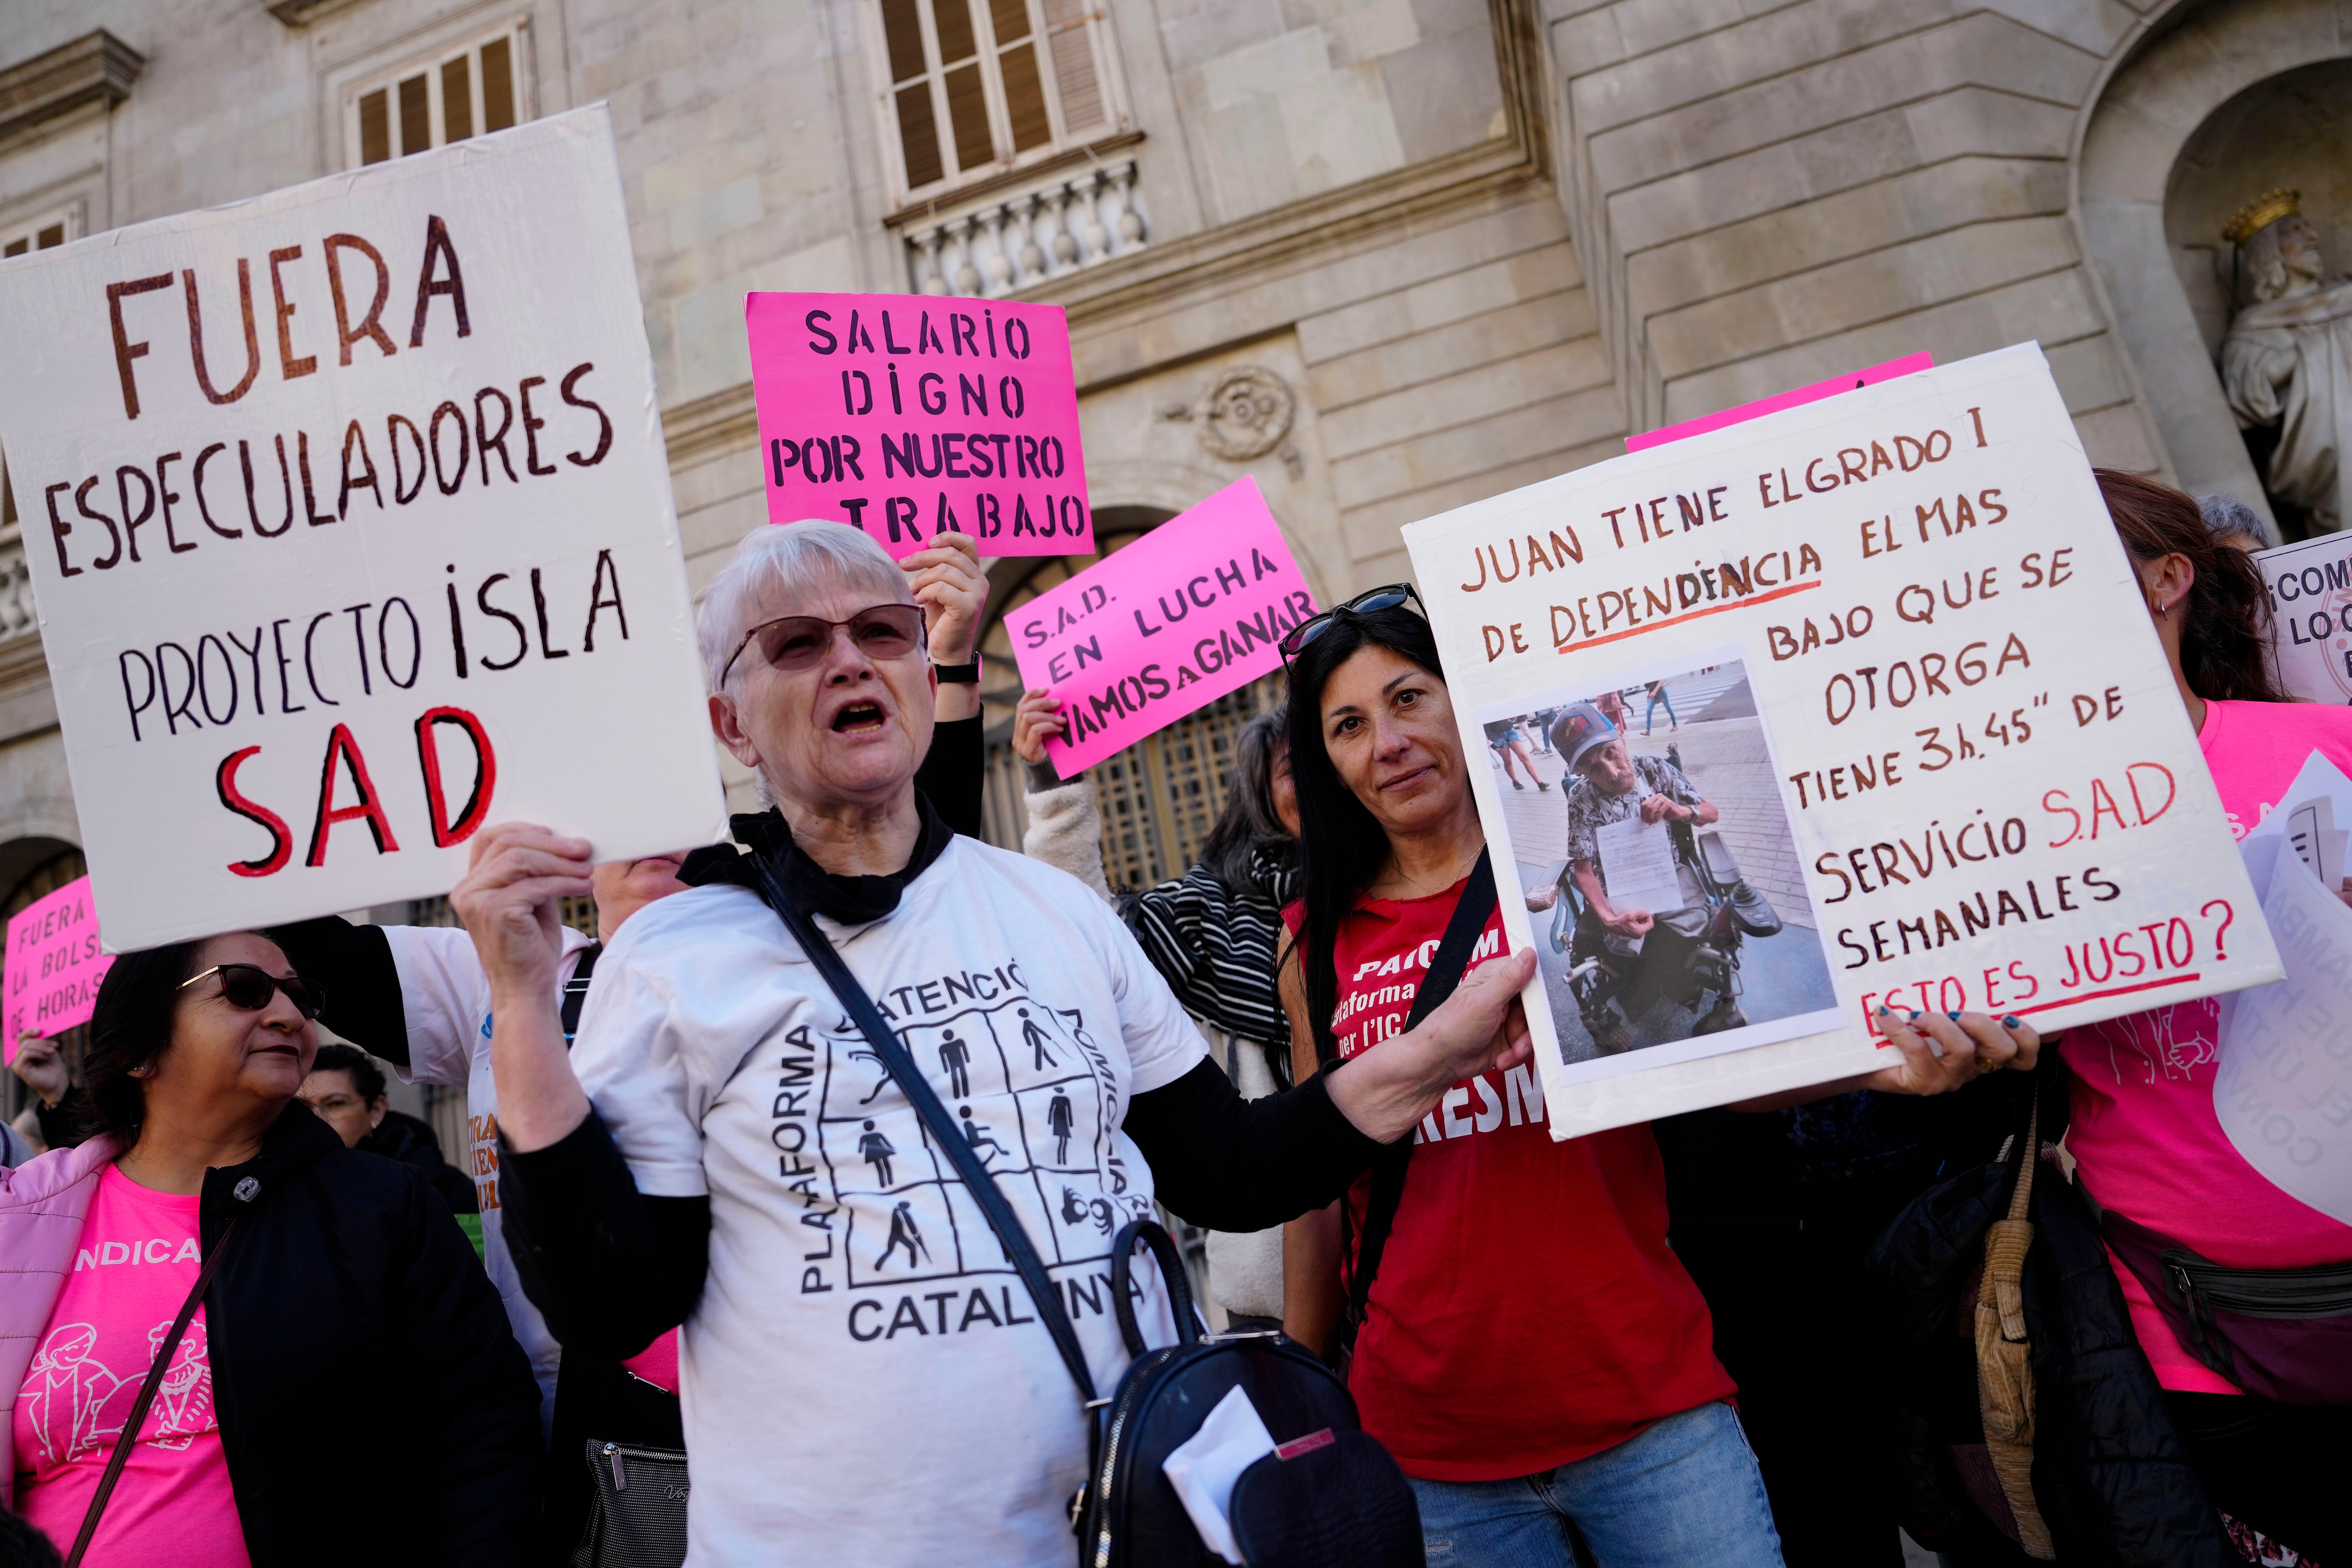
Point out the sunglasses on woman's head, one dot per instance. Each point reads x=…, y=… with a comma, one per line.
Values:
x=796, y=642
x=1365, y=603
x=247, y=987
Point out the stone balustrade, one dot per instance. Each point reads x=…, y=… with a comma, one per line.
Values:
x=1011, y=241
x=17, y=617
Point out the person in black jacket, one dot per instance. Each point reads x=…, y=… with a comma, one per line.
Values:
x=345, y=1091
x=332, y=1271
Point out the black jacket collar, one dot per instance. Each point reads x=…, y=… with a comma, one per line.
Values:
x=848, y=901
x=295, y=1142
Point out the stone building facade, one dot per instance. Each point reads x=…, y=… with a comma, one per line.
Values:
x=1386, y=256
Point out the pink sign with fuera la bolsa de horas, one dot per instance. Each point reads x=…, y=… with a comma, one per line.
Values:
x=1194, y=609
x=53, y=967
x=910, y=416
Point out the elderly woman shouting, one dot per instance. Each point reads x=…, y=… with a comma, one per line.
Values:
x=864, y=1377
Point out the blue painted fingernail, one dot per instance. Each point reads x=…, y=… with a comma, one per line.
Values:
x=1955, y=1017
x=2013, y=1021
x=1882, y=1012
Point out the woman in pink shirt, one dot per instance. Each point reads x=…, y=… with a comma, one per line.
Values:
x=2145, y=1140
x=345, y=1329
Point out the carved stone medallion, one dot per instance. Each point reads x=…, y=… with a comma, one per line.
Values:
x=1245, y=413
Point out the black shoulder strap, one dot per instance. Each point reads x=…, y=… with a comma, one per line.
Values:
x=1446, y=967
x=575, y=990
x=945, y=1133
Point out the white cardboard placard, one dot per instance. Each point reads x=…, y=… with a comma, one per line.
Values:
x=1911, y=571
x=2310, y=586
x=407, y=498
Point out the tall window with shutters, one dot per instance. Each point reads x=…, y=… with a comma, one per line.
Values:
x=975, y=88
x=466, y=89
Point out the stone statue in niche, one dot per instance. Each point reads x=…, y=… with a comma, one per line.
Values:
x=2287, y=359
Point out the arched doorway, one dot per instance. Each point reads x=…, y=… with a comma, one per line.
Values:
x=1160, y=797
x=33, y=868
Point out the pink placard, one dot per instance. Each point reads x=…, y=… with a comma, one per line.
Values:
x=53, y=967
x=1189, y=612
x=1779, y=401
x=908, y=415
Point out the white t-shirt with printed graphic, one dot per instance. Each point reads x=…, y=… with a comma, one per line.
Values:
x=864, y=1379
x=446, y=998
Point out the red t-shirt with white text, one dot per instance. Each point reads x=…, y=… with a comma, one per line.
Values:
x=1528, y=1311
x=137, y=1260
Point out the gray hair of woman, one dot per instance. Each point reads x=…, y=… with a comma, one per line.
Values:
x=777, y=568
x=2233, y=522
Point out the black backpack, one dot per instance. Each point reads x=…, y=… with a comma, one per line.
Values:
x=1328, y=1495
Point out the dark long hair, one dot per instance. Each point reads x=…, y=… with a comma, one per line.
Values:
x=2225, y=622
x=1249, y=823
x=131, y=1027
x=1342, y=845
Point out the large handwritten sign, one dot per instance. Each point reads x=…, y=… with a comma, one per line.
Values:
x=351, y=530
x=53, y=967
x=1995, y=797
x=907, y=417
x=1191, y=611
x=2310, y=585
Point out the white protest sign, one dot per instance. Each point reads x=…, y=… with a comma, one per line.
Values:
x=1638, y=858
x=2310, y=585
x=2316, y=784
x=351, y=528
x=1937, y=758
x=2282, y=1089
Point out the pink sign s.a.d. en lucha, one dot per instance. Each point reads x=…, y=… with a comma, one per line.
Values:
x=1192, y=610
x=53, y=965
x=910, y=416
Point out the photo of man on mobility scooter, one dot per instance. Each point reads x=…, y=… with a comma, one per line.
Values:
x=1623, y=956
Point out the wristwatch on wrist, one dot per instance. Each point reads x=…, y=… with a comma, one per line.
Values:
x=959, y=674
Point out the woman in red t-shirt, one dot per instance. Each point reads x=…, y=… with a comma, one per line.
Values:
x=1532, y=1353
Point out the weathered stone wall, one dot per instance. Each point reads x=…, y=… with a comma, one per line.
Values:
x=1766, y=196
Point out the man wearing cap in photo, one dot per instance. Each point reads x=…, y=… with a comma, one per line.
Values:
x=1614, y=785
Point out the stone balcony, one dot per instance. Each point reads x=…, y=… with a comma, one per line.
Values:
x=1010, y=239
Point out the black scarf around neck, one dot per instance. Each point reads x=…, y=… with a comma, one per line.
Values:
x=847, y=901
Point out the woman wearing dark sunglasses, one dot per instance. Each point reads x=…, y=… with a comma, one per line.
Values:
x=346, y=1328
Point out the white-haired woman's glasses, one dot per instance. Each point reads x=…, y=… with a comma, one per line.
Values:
x=796, y=642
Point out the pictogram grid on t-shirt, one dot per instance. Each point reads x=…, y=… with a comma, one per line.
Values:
x=1031, y=1090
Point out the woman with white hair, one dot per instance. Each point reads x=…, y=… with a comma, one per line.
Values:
x=865, y=1379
